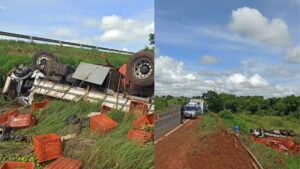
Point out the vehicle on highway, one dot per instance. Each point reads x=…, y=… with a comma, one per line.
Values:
x=192, y=110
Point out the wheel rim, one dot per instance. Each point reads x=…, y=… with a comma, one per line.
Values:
x=143, y=68
x=41, y=61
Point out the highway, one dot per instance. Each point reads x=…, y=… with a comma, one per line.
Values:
x=166, y=123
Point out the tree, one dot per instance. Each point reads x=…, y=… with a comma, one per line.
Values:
x=151, y=39
x=214, y=101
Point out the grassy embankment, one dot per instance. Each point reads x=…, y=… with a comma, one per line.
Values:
x=265, y=155
x=113, y=150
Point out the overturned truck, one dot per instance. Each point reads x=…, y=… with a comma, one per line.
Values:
x=132, y=84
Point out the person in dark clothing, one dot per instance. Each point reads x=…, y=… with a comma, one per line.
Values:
x=181, y=114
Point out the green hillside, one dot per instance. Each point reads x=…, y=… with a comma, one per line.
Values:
x=13, y=53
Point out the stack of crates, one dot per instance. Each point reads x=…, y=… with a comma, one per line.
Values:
x=47, y=147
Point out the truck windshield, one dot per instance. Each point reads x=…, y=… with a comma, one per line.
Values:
x=189, y=108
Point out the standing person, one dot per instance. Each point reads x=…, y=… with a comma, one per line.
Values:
x=181, y=114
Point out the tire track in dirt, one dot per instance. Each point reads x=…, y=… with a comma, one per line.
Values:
x=187, y=149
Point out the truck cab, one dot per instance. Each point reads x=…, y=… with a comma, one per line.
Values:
x=192, y=110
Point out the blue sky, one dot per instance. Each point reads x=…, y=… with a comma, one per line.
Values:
x=116, y=24
x=239, y=46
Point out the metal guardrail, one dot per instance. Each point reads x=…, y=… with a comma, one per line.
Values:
x=34, y=38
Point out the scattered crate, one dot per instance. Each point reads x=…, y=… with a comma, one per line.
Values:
x=138, y=108
x=17, y=165
x=47, y=147
x=141, y=122
x=39, y=105
x=64, y=162
x=21, y=120
x=4, y=116
x=102, y=124
x=139, y=135
x=151, y=118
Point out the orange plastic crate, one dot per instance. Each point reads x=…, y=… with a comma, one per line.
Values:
x=39, y=105
x=21, y=120
x=47, y=147
x=141, y=122
x=138, y=108
x=102, y=123
x=150, y=117
x=139, y=135
x=4, y=116
x=64, y=162
x=17, y=165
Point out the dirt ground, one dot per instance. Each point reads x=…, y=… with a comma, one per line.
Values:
x=186, y=149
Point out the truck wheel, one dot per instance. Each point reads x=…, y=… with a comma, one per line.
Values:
x=140, y=69
x=40, y=59
x=22, y=72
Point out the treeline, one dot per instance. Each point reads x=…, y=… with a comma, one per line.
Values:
x=163, y=102
x=284, y=106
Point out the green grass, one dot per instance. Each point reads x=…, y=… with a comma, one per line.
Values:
x=113, y=150
x=208, y=125
x=265, y=155
x=13, y=53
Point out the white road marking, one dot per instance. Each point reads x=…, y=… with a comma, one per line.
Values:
x=170, y=132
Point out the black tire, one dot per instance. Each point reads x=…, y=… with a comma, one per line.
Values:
x=40, y=59
x=22, y=72
x=140, y=68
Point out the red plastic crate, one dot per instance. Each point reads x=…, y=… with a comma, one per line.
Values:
x=150, y=117
x=4, y=116
x=21, y=120
x=138, y=108
x=139, y=135
x=64, y=162
x=39, y=105
x=47, y=147
x=141, y=122
x=17, y=165
x=102, y=123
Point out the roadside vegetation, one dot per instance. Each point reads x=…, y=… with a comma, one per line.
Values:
x=257, y=112
x=208, y=125
x=13, y=53
x=112, y=150
x=250, y=112
x=168, y=103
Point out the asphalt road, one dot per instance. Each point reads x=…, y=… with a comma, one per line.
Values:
x=167, y=122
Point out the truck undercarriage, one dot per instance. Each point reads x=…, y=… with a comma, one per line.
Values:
x=114, y=87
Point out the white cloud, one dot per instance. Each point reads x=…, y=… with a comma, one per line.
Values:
x=113, y=35
x=250, y=23
x=116, y=28
x=208, y=59
x=171, y=78
x=293, y=55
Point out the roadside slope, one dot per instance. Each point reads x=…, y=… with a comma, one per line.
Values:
x=201, y=143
